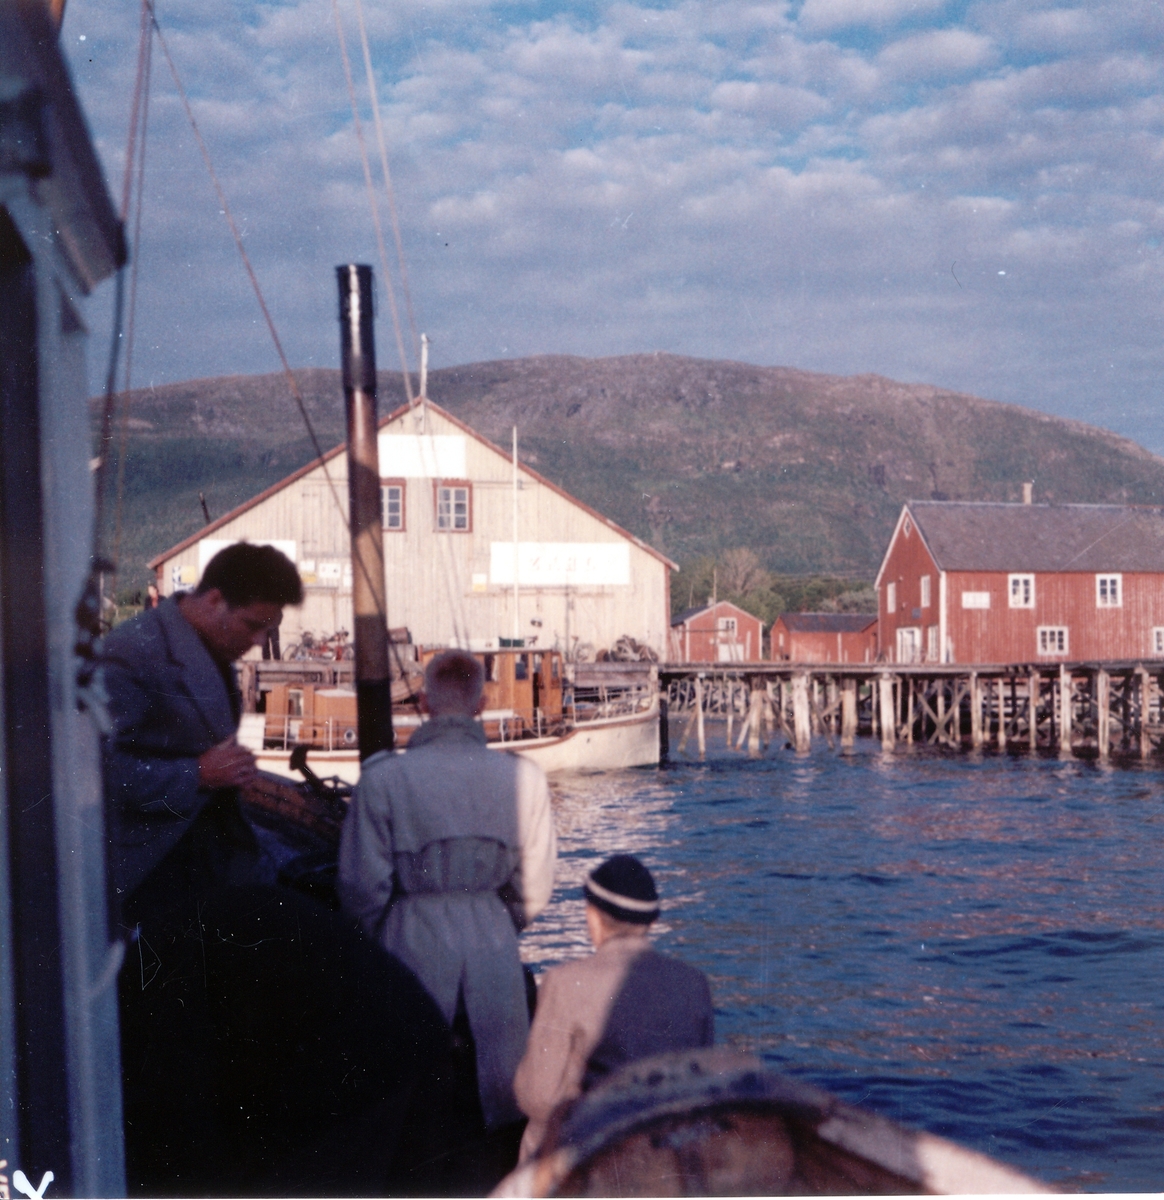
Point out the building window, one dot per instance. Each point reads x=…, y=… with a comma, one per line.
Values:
x=925, y=591
x=1109, y=592
x=1021, y=591
x=891, y=598
x=392, y=505
x=933, y=644
x=975, y=599
x=726, y=625
x=1158, y=641
x=1052, y=639
x=453, y=511
x=909, y=641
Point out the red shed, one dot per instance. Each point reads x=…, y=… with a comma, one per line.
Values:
x=720, y=632
x=825, y=637
x=1002, y=583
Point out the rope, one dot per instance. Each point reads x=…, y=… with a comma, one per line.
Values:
x=229, y=215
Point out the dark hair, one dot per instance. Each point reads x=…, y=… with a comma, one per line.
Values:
x=245, y=574
x=454, y=679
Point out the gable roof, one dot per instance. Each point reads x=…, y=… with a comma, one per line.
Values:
x=821, y=622
x=689, y=614
x=236, y=512
x=1040, y=537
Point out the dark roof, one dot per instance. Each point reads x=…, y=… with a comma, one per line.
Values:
x=828, y=622
x=1041, y=537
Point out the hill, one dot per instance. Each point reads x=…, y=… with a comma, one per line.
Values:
x=695, y=456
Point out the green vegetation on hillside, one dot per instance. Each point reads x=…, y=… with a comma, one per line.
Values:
x=701, y=459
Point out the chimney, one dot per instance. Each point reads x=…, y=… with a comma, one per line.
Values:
x=1028, y=492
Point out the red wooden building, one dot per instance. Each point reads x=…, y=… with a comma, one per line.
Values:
x=824, y=638
x=1002, y=583
x=719, y=632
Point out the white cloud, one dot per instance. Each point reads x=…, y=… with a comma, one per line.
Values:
x=722, y=179
x=938, y=54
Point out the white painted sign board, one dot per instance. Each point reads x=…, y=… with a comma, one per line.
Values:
x=561, y=564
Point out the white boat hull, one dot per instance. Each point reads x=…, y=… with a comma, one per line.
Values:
x=604, y=744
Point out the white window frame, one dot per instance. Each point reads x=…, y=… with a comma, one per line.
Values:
x=912, y=634
x=1109, y=591
x=1157, y=641
x=446, y=503
x=387, y=486
x=1020, y=591
x=1052, y=640
x=891, y=597
x=726, y=625
x=926, y=591
x=976, y=600
x=933, y=643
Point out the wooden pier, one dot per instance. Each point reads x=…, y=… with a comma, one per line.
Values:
x=1099, y=710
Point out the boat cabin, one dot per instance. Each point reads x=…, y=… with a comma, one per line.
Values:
x=523, y=698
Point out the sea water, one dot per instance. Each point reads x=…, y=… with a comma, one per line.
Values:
x=973, y=945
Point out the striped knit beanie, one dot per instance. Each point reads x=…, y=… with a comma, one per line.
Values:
x=623, y=889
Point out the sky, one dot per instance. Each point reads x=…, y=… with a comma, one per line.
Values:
x=965, y=194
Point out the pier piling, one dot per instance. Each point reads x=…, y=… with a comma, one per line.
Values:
x=1100, y=710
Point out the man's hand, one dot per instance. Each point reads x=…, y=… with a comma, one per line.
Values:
x=226, y=765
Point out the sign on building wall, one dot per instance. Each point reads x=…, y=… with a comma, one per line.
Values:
x=431, y=456
x=561, y=564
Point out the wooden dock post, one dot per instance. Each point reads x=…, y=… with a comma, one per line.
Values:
x=814, y=708
x=664, y=731
x=801, y=716
x=848, y=713
x=1145, y=705
x=1103, y=713
x=888, y=717
x=909, y=713
x=730, y=688
x=700, y=732
x=1001, y=714
x=1034, y=684
x=1065, y=707
x=975, y=711
x=755, y=715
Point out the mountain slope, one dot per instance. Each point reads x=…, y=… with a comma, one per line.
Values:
x=696, y=456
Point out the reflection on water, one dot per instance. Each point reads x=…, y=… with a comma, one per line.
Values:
x=971, y=945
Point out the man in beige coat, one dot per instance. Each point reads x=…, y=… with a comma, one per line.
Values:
x=625, y=1002
x=447, y=851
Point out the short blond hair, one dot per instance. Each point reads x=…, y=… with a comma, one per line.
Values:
x=453, y=682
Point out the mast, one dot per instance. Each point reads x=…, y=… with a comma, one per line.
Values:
x=369, y=606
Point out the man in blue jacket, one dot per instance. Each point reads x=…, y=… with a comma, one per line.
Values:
x=267, y=1046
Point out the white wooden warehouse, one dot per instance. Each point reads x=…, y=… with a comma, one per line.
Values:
x=449, y=506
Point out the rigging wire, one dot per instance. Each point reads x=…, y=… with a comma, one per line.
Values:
x=292, y=383
x=135, y=259
x=449, y=566
x=388, y=287
x=400, y=259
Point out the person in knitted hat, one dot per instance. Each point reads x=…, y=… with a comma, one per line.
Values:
x=624, y=1002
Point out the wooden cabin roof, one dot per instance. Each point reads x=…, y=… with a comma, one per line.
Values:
x=1040, y=537
x=822, y=622
x=689, y=614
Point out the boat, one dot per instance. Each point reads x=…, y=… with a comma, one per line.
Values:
x=563, y=716
x=717, y=1122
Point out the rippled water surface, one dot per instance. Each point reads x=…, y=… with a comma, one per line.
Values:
x=973, y=946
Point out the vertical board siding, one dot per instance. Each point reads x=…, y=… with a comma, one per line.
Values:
x=908, y=560
x=429, y=573
x=1002, y=634
x=698, y=638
